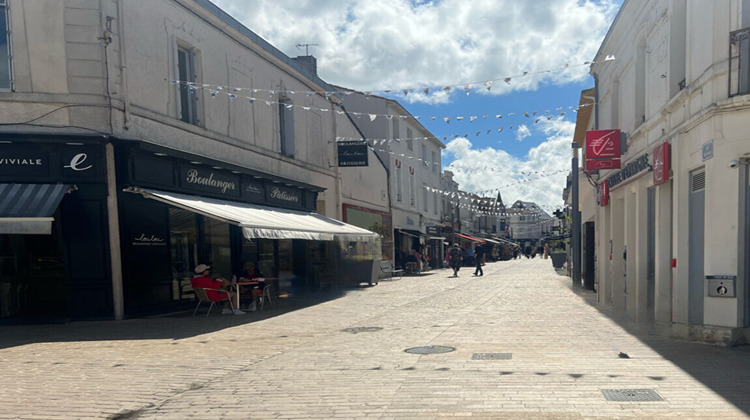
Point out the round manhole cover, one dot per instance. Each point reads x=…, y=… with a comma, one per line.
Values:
x=430, y=350
x=355, y=330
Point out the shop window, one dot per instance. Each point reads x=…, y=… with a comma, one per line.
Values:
x=218, y=247
x=188, y=75
x=286, y=127
x=399, y=188
x=183, y=234
x=6, y=49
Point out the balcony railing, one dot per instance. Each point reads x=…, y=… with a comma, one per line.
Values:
x=739, y=62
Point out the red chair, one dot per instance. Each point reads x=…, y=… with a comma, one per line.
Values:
x=200, y=293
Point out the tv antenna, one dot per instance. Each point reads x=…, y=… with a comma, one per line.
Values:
x=307, y=47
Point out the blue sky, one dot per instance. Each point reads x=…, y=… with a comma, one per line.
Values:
x=376, y=45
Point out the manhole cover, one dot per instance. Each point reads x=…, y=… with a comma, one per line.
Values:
x=355, y=330
x=492, y=356
x=631, y=395
x=430, y=350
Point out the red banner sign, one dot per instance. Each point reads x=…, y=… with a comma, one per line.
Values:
x=604, y=193
x=661, y=163
x=602, y=144
x=592, y=164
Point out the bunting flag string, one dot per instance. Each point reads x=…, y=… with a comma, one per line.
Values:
x=536, y=116
x=460, y=169
x=467, y=87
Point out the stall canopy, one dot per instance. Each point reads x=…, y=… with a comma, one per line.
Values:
x=470, y=238
x=28, y=208
x=263, y=222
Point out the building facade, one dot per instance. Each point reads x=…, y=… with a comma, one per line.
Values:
x=141, y=138
x=413, y=157
x=672, y=226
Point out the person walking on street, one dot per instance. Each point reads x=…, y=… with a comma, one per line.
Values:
x=478, y=258
x=456, y=255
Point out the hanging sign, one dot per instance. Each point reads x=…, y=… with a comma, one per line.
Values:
x=352, y=153
x=661, y=163
x=604, y=193
x=602, y=144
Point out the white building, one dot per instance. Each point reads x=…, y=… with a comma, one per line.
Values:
x=159, y=133
x=673, y=246
x=414, y=163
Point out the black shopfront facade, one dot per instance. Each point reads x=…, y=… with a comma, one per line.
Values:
x=58, y=266
x=161, y=242
x=54, y=265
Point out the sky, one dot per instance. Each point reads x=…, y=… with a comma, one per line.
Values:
x=534, y=53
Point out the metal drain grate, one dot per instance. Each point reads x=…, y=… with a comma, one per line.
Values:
x=430, y=350
x=492, y=356
x=631, y=395
x=355, y=330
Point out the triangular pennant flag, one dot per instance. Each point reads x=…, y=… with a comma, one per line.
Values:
x=373, y=116
x=447, y=120
x=467, y=88
x=488, y=84
x=447, y=90
x=507, y=80
x=426, y=91
x=459, y=118
x=471, y=119
x=389, y=117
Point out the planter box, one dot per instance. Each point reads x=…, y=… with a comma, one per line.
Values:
x=558, y=259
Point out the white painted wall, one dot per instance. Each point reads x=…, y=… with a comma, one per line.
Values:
x=687, y=119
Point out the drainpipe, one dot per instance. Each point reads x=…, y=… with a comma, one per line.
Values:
x=123, y=67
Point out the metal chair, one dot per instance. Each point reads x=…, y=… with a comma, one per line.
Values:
x=387, y=268
x=265, y=295
x=200, y=293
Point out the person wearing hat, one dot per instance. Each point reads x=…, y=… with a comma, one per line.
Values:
x=251, y=273
x=456, y=255
x=203, y=280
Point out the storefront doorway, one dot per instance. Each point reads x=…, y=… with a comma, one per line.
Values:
x=32, y=276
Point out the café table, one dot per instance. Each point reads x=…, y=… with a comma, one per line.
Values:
x=243, y=282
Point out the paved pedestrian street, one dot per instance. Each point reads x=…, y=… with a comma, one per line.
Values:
x=526, y=346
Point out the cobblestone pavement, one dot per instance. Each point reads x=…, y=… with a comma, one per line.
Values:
x=344, y=358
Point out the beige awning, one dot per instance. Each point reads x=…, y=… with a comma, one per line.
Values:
x=261, y=221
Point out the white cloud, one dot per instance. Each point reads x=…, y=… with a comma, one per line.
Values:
x=522, y=132
x=539, y=177
x=397, y=44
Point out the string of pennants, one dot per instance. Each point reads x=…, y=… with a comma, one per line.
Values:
x=538, y=116
x=467, y=87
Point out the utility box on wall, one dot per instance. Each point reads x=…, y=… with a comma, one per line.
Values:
x=721, y=286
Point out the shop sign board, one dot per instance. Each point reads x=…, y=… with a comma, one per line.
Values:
x=602, y=144
x=661, y=163
x=352, y=153
x=633, y=168
x=708, y=150
x=51, y=162
x=280, y=194
x=253, y=190
x=206, y=180
x=432, y=230
x=593, y=164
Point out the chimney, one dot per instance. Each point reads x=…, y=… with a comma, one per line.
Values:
x=308, y=63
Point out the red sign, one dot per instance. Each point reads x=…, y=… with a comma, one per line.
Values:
x=592, y=164
x=602, y=144
x=604, y=193
x=661, y=164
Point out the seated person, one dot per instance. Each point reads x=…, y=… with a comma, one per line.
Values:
x=251, y=272
x=201, y=279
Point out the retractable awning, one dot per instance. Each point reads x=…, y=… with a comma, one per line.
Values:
x=261, y=221
x=27, y=209
x=470, y=238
